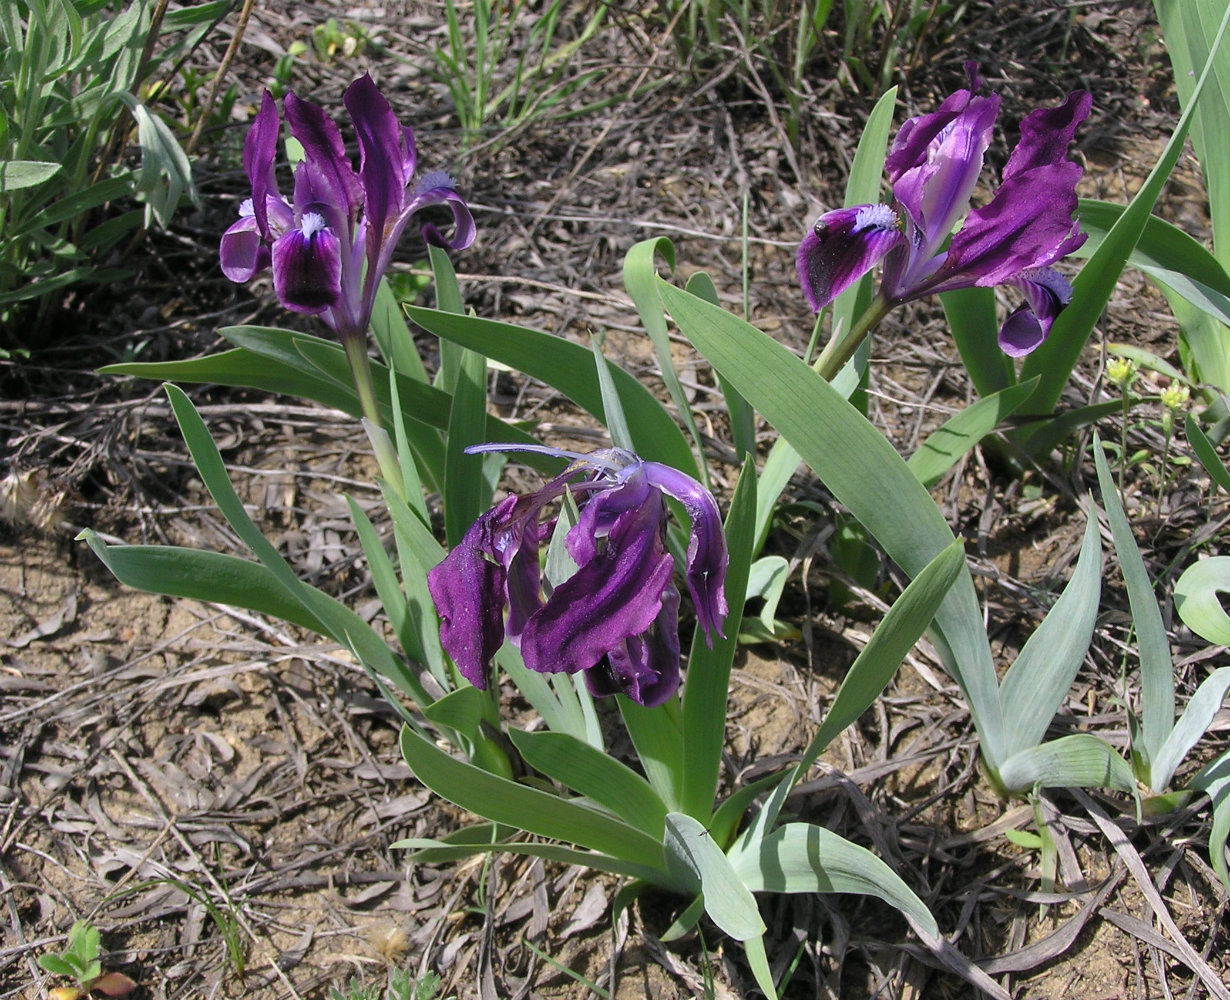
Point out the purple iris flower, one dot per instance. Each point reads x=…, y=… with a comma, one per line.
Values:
x=617, y=616
x=330, y=244
x=1013, y=239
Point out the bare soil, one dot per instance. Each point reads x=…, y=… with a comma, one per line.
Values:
x=219, y=793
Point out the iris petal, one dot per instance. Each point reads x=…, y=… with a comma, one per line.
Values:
x=936, y=190
x=617, y=594
x=645, y=668
x=707, y=557
x=1047, y=292
x=1028, y=224
x=260, y=147
x=381, y=163
x=243, y=252
x=468, y=591
x=307, y=267
x=1046, y=134
x=842, y=247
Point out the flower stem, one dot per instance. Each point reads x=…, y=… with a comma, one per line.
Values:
x=841, y=349
x=355, y=346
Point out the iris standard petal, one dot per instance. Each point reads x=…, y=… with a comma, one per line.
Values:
x=260, y=146
x=307, y=267
x=707, y=557
x=325, y=154
x=243, y=252
x=468, y=591
x=617, y=594
x=381, y=156
x=936, y=191
x=645, y=668
x=843, y=246
x=916, y=134
x=601, y=511
x=520, y=546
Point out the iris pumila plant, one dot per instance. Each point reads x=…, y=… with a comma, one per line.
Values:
x=616, y=618
x=330, y=243
x=1014, y=239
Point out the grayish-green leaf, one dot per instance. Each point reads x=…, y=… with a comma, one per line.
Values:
x=861, y=468
x=530, y=809
x=957, y=435
x=692, y=855
x=18, y=174
x=803, y=857
x=595, y=774
x=1076, y=761
x=1196, y=600
x=1156, y=666
x=1039, y=680
x=1192, y=725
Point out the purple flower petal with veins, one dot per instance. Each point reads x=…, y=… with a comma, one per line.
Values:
x=616, y=616
x=842, y=247
x=934, y=166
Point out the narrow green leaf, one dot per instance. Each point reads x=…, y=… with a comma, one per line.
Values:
x=466, y=494
x=775, y=475
x=202, y=576
x=708, y=680
x=75, y=205
x=863, y=187
x=567, y=367
x=342, y=624
x=616, y=422
x=1192, y=725
x=461, y=710
x=862, y=470
x=1191, y=32
x=946, y=444
x=1077, y=761
x=640, y=281
x=1196, y=600
x=1214, y=779
x=1039, y=679
x=698, y=862
x=767, y=580
x=393, y=336
x=595, y=774
x=384, y=577
x=1161, y=245
x=738, y=410
x=1156, y=666
x=974, y=325
x=418, y=552
x=873, y=668
x=503, y=801
x=1205, y=298
x=802, y=857
x=758, y=959
x=439, y=852
x=657, y=735
x=1041, y=437
x=241, y=367
x=1207, y=453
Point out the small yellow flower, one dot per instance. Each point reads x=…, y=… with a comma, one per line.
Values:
x=1121, y=372
x=1176, y=396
